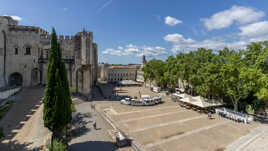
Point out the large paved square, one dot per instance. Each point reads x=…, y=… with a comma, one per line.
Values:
x=168, y=127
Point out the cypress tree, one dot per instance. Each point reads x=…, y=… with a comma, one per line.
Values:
x=57, y=102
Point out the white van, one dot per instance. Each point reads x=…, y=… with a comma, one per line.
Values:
x=156, y=89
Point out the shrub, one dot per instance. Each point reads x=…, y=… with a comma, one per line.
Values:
x=249, y=109
x=2, y=132
x=72, y=89
x=57, y=146
x=73, y=107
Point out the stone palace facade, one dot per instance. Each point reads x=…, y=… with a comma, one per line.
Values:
x=119, y=73
x=24, y=52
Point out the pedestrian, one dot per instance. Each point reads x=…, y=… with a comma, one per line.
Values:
x=95, y=125
x=93, y=107
x=209, y=115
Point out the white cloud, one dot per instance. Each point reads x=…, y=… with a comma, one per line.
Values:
x=114, y=52
x=171, y=21
x=18, y=18
x=178, y=38
x=65, y=9
x=133, y=50
x=107, y=3
x=227, y=17
x=179, y=43
x=255, y=30
x=120, y=48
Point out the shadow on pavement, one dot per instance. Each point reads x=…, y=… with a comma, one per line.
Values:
x=26, y=104
x=80, y=125
x=93, y=145
x=15, y=146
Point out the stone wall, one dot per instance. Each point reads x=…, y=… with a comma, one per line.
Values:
x=1, y=73
x=27, y=54
x=22, y=62
x=103, y=71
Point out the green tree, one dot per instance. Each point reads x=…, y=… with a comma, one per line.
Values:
x=256, y=59
x=57, y=101
x=239, y=76
x=154, y=71
x=235, y=86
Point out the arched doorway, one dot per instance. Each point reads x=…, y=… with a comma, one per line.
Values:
x=35, y=76
x=15, y=79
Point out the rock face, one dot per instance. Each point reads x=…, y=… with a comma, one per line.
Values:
x=24, y=52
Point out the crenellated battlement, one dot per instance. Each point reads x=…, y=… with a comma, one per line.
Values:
x=42, y=31
x=85, y=33
x=67, y=38
x=45, y=37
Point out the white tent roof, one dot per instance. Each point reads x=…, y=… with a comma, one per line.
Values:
x=201, y=102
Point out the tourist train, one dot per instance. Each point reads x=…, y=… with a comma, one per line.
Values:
x=144, y=101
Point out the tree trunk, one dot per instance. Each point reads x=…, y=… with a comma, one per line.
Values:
x=235, y=103
x=57, y=135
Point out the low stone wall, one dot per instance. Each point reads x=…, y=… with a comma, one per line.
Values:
x=4, y=94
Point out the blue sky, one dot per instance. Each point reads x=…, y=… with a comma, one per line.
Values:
x=126, y=29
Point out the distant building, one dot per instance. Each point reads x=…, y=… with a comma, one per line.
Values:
x=140, y=73
x=140, y=76
x=144, y=61
x=119, y=73
x=114, y=73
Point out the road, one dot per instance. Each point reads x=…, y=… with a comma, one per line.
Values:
x=87, y=138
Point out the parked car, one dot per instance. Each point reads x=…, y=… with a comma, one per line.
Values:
x=122, y=141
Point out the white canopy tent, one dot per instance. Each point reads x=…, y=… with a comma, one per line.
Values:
x=201, y=102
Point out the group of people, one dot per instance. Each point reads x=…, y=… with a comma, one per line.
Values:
x=233, y=115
